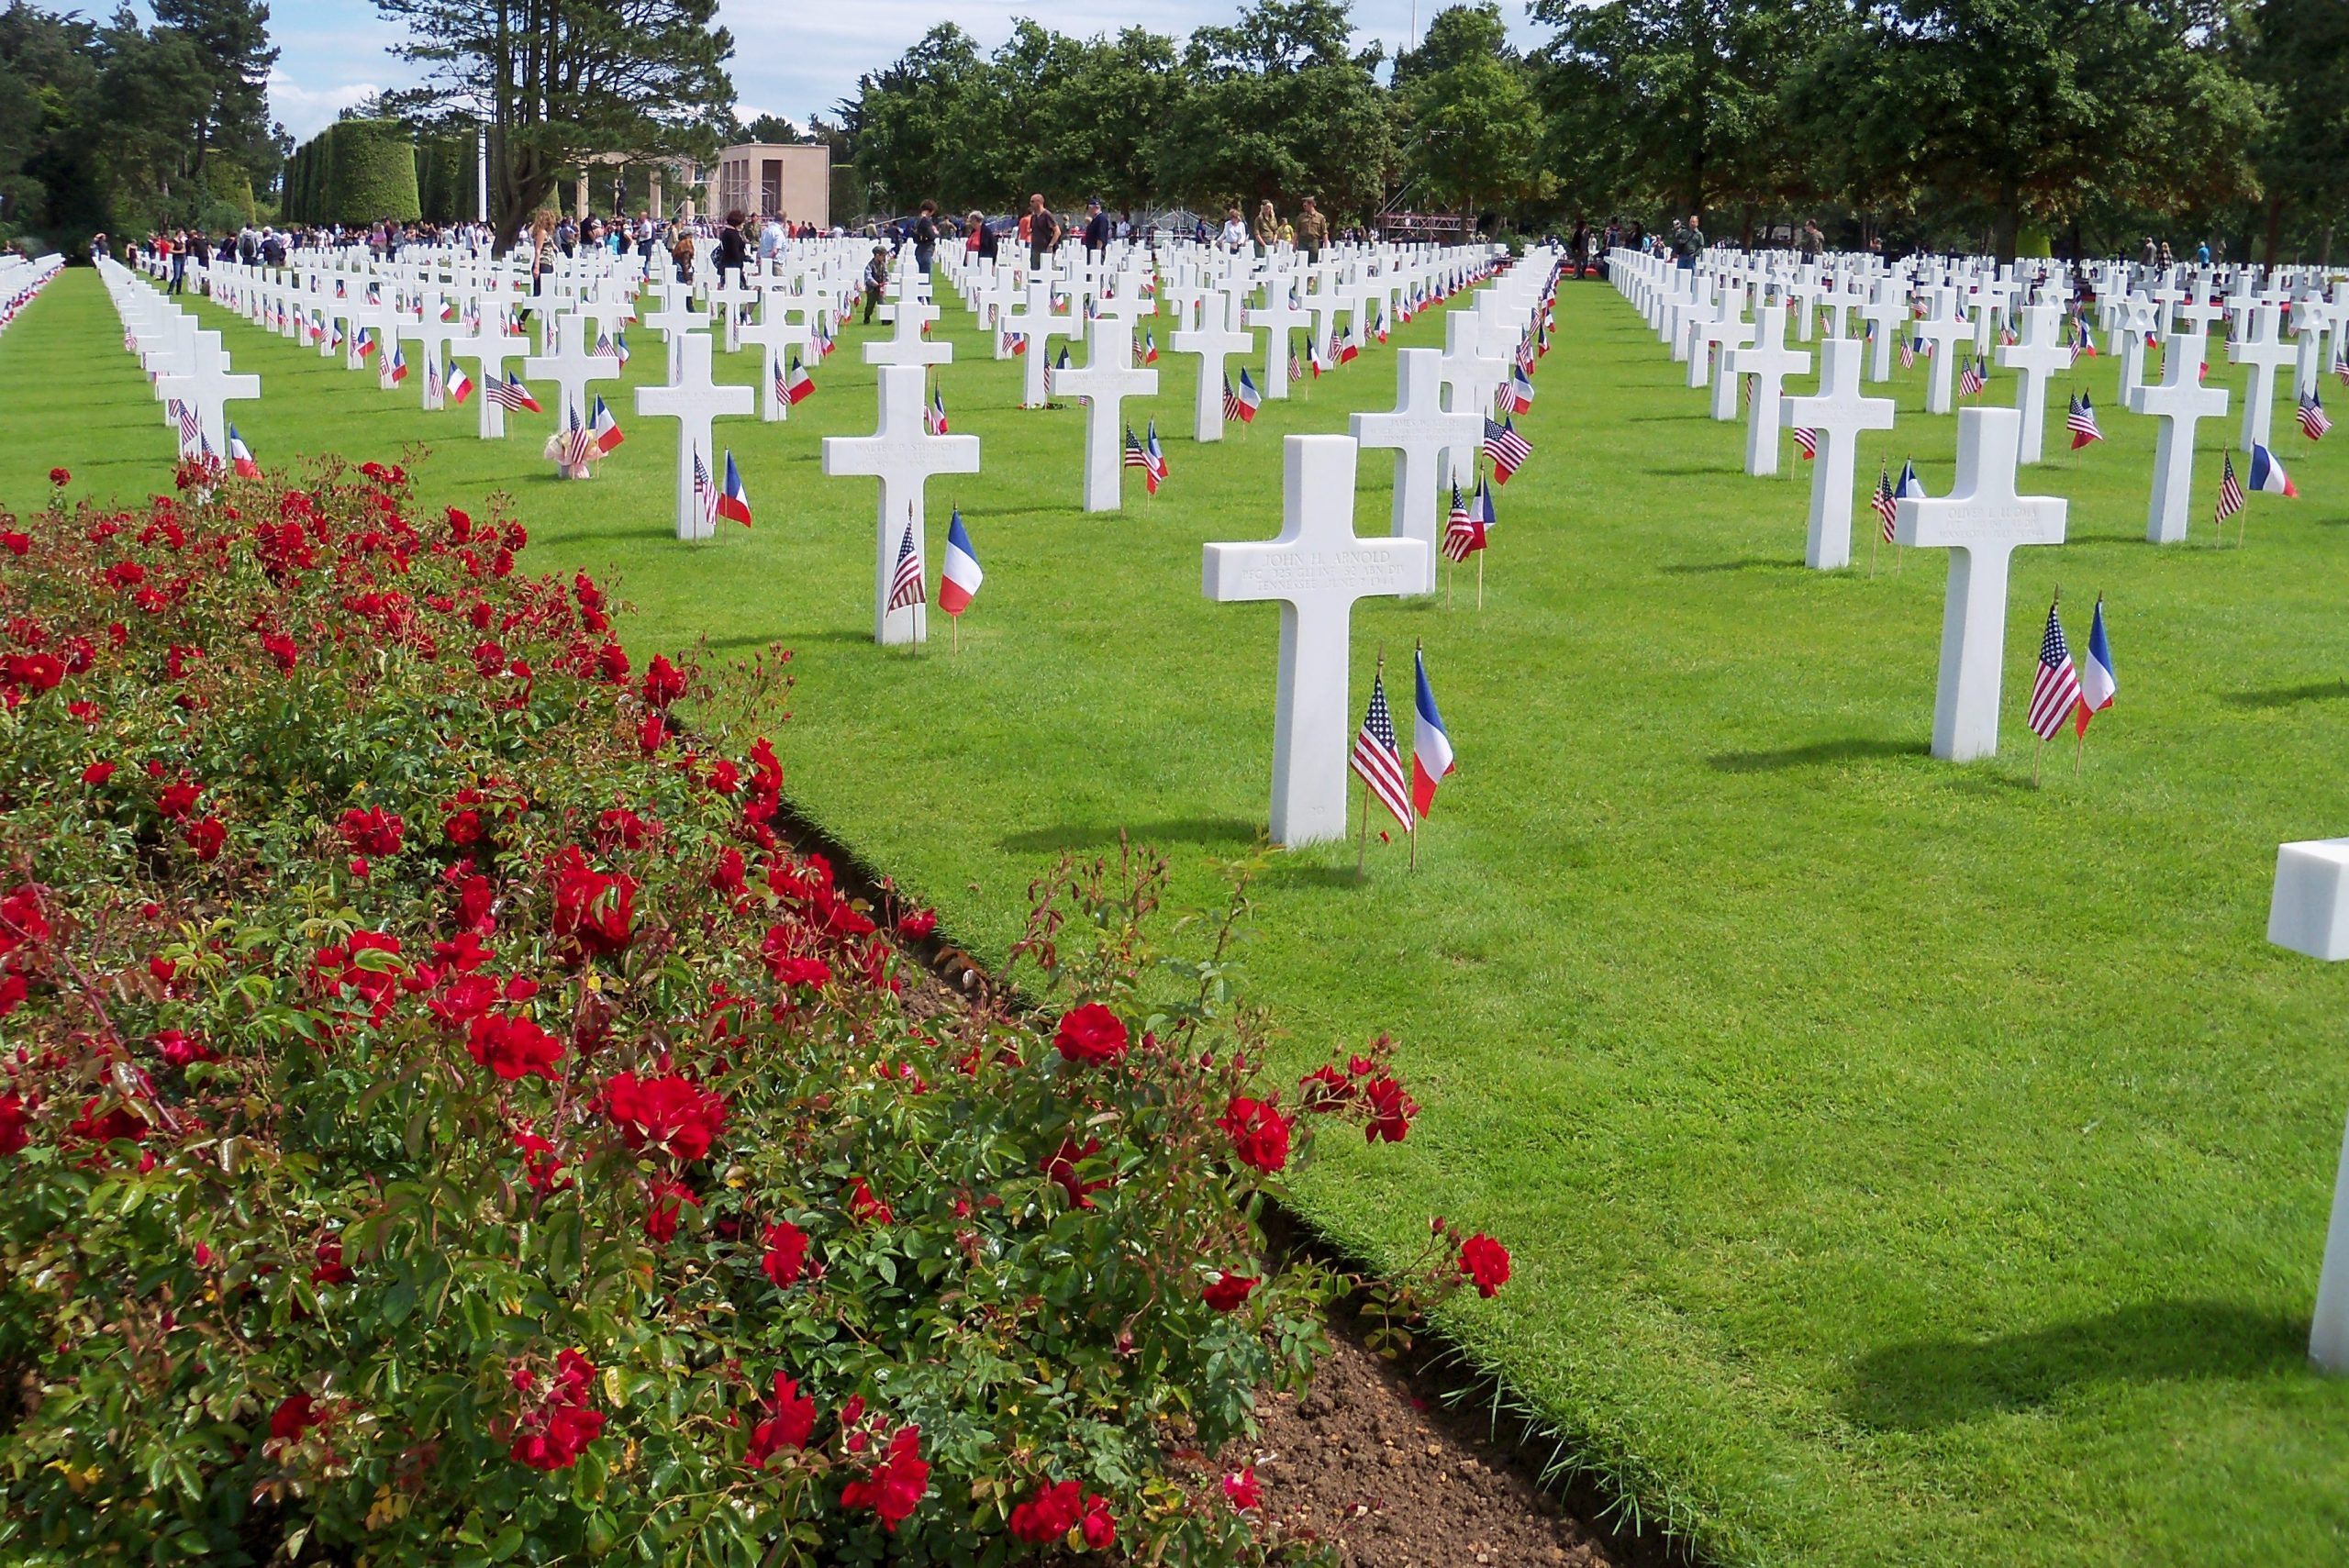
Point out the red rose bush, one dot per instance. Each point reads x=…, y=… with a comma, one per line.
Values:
x=442, y=1119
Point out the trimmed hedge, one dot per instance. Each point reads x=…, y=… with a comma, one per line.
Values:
x=353, y=171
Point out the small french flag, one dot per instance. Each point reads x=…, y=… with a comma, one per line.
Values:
x=734, y=501
x=1431, y=743
x=959, y=579
x=2098, y=683
x=459, y=385
x=2268, y=475
x=607, y=430
x=240, y=457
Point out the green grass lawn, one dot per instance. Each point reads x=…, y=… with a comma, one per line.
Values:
x=1904, y=1164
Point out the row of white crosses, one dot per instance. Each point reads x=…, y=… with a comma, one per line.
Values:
x=185, y=362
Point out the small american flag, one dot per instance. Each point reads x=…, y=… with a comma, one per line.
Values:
x=2340, y=366
x=191, y=428
x=1230, y=402
x=1887, y=505
x=2229, y=493
x=906, y=587
x=578, y=441
x=2081, y=421
x=1137, y=458
x=705, y=492
x=2055, y=691
x=1807, y=439
x=1462, y=537
x=1973, y=380
x=1907, y=351
x=1376, y=758
x=2314, y=422
x=1506, y=448
x=510, y=394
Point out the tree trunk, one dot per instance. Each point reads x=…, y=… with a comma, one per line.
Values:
x=2006, y=218
x=2275, y=227
x=2324, y=256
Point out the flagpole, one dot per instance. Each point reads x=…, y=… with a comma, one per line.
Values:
x=2034, y=761
x=1480, y=579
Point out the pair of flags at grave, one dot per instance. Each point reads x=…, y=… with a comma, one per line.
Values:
x=2062, y=691
x=1378, y=760
x=2267, y=476
x=1888, y=495
x=1148, y=456
x=1507, y=450
x=958, y=579
x=2314, y=421
x=1242, y=406
x=512, y=395
x=794, y=385
x=2080, y=419
x=1468, y=530
x=731, y=500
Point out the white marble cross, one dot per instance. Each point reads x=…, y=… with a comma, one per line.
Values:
x=571, y=368
x=731, y=293
x=1109, y=378
x=1035, y=320
x=2308, y=913
x=1945, y=327
x=1316, y=570
x=1421, y=432
x=206, y=383
x=693, y=400
x=1214, y=339
x=1278, y=318
x=2038, y=356
x=905, y=345
x=1888, y=313
x=776, y=334
x=674, y=319
x=1769, y=362
x=1983, y=521
x=2261, y=347
x=1835, y=416
x=2179, y=401
x=490, y=349
x=903, y=455
x=432, y=335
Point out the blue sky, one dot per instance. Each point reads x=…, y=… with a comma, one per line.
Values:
x=790, y=58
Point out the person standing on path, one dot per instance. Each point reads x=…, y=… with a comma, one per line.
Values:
x=926, y=237
x=1043, y=232
x=1097, y=229
x=1268, y=227
x=1312, y=231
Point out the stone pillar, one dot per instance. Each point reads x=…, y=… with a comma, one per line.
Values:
x=579, y=197
x=653, y=202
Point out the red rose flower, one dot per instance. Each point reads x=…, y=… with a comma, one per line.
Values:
x=97, y=773
x=864, y=1206
x=1486, y=1262
x=550, y=1434
x=1391, y=1111
x=670, y=1113
x=790, y=1418
x=178, y=1048
x=512, y=1047
x=665, y=1203
x=179, y=799
x=37, y=671
x=1092, y=1033
x=61, y=476
x=373, y=831
x=462, y=828
x=206, y=838
x=918, y=923
x=597, y=911
x=1098, y=1528
x=1228, y=1290
x=14, y=1116
x=1259, y=1132
x=1049, y=1515
x=897, y=1483
x=295, y=1414
x=331, y=1269
x=1239, y=1489
x=541, y=1165
x=663, y=681
x=611, y=663
x=786, y=1253
x=15, y=542
x=1060, y=1166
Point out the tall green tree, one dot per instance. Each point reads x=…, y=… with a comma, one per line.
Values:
x=2297, y=52
x=918, y=123
x=1475, y=132
x=1281, y=106
x=1680, y=102
x=2025, y=110
x=231, y=38
x=561, y=82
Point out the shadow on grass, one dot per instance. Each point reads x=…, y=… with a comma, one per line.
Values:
x=1928, y=1383
x=1819, y=753
x=1746, y=563
x=2285, y=696
x=1226, y=831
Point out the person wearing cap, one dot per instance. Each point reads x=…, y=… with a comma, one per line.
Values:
x=1096, y=227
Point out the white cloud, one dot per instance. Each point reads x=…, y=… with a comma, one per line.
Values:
x=307, y=110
